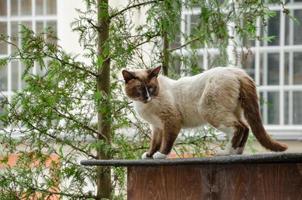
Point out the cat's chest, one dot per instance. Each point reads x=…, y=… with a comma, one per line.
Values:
x=148, y=113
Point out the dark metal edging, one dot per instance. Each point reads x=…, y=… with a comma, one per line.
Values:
x=233, y=159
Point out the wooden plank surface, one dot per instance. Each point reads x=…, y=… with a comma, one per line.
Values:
x=217, y=182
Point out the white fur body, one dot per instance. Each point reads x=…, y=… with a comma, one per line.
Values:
x=190, y=95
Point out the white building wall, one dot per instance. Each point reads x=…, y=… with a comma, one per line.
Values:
x=67, y=13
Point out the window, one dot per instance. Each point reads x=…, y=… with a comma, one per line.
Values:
x=278, y=68
x=275, y=65
x=37, y=15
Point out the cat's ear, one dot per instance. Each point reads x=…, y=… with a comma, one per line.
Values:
x=154, y=72
x=128, y=75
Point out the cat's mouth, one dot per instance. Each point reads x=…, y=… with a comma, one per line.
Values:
x=147, y=100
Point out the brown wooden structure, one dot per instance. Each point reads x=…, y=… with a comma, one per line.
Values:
x=256, y=177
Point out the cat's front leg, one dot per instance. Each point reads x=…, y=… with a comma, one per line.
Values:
x=170, y=133
x=155, y=143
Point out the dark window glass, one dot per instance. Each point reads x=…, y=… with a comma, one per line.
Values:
x=3, y=8
x=273, y=108
x=298, y=27
x=51, y=7
x=273, y=68
x=297, y=71
x=248, y=63
x=297, y=107
x=14, y=7
x=25, y=7
x=3, y=32
x=3, y=78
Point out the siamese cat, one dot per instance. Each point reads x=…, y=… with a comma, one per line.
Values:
x=224, y=97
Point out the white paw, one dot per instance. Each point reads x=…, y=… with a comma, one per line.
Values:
x=145, y=156
x=239, y=150
x=222, y=153
x=233, y=151
x=159, y=155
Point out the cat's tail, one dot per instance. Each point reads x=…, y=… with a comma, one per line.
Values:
x=249, y=103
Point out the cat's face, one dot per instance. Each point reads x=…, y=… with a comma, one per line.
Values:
x=141, y=85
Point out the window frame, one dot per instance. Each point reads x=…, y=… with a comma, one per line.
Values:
x=33, y=19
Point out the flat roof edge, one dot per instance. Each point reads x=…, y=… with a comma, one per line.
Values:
x=232, y=159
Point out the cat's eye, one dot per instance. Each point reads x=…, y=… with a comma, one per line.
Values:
x=138, y=91
x=151, y=89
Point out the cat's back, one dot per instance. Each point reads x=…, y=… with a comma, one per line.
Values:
x=224, y=76
x=224, y=72
x=188, y=91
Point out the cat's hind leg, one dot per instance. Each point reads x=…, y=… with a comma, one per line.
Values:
x=243, y=139
x=236, y=130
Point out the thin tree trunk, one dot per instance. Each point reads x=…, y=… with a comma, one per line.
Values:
x=166, y=54
x=104, y=187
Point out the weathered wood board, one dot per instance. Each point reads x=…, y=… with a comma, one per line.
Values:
x=247, y=181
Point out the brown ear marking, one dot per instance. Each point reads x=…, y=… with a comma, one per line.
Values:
x=128, y=75
x=154, y=72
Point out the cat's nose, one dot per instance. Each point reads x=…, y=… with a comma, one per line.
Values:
x=146, y=100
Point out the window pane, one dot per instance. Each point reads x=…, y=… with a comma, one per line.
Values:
x=52, y=31
x=297, y=107
x=286, y=107
x=297, y=68
x=298, y=27
x=286, y=68
x=194, y=29
x=14, y=36
x=3, y=78
x=273, y=29
x=288, y=38
x=214, y=60
x=3, y=32
x=273, y=107
x=14, y=7
x=51, y=7
x=39, y=27
x=28, y=24
x=52, y=26
x=248, y=63
x=261, y=69
x=15, y=75
x=3, y=8
x=273, y=68
x=25, y=7
x=39, y=7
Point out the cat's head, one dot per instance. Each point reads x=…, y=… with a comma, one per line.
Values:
x=141, y=85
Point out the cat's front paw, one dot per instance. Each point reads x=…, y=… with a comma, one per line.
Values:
x=146, y=156
x=222, y=152
x=159, y=155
